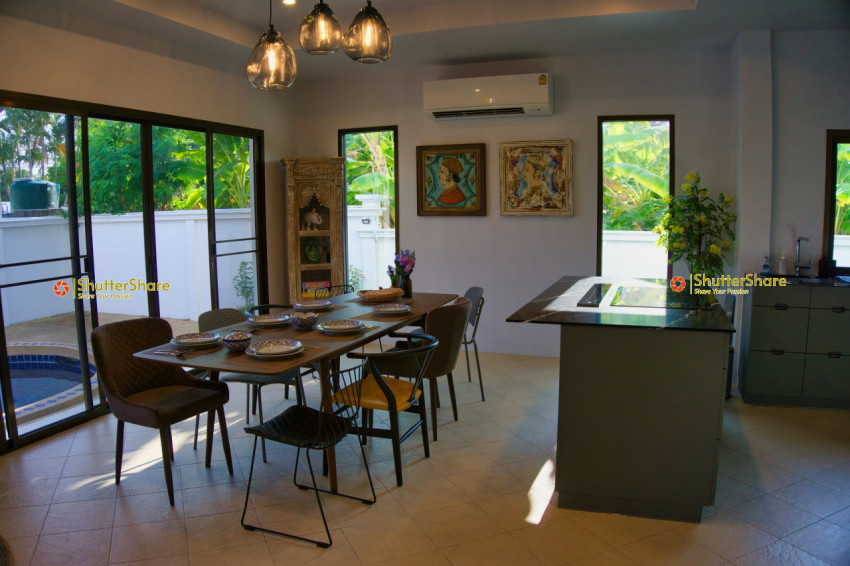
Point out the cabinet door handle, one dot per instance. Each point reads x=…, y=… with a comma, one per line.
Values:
x=838, y=310
x=780, y=306
x=777, y=351
x=833, y=354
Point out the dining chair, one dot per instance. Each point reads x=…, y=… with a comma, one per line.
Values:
x=217, y=318
x=150, y=394
x=315, y=429
x=333, y=291
x=383, y=392
x=476, y=297
x=447, y=323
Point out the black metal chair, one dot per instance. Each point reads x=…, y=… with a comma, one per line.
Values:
x=333, y=291
x=476, y=297
x=314, y=429
x=254, y=384
x=384, y=393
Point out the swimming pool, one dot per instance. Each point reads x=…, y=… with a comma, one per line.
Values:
x=45, y=379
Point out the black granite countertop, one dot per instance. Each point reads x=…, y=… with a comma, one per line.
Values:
x=559, y=305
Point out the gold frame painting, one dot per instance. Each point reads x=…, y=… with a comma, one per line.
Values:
x=536, y=178
x=450, y=180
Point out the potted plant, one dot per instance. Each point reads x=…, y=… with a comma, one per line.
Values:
x=697, y=229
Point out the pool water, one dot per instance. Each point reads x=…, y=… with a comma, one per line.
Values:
x=39, y=377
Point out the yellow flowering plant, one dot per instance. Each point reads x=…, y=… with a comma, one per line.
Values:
x=697, y=229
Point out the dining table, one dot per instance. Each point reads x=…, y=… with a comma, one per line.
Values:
x=321, y=350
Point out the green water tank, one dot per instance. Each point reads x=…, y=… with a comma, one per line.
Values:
x=33, y=194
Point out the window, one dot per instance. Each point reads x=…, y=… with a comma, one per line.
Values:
x=635, y=172
x=371, y=204
x=836, y=237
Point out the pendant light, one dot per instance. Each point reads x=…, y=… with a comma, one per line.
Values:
x=368, y=40
x=320, y=31
x=271, y=65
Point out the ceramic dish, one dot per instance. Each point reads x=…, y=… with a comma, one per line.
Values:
x=391, y=309
x=313, y=306
x=274, y=349
x=197, y=340
x=340, y=326
x=237, y=341
x=303, y=320
x=273, y=319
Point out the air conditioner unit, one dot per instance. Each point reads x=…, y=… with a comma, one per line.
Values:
x=507, y=95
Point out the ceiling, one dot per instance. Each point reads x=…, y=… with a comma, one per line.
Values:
x=220, y=33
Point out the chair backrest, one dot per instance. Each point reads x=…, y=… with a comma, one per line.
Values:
x=476, y=297
x=412, y=362
x=448, y=324
x=347, y=385
x=333, y=291
x=216, y=318
x=122, y=375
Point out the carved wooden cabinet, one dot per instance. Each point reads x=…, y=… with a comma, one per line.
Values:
x=314, y=224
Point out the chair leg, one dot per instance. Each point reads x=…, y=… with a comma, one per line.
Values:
x=478, y=365
x=248, y=527
x=254, y=400
x=170, y=446
x=423, y=414
x=286, y=391
x=452, y=394
x=247, y=403
x=119, y=451
x=225, y=439
x=468, y=369
x=210, y=431
x=396, y=439
x=165, y=441
x=260, y=405
x=432, y=388
x=197, y=426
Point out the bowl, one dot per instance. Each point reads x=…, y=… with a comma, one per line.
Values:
x=237, y=341
x=303, y=320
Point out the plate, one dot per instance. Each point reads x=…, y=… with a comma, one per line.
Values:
x=272, y=319
x=313, y=305
x=197, y=340
x=340, y=326
x=391, y=308
x=274, y=349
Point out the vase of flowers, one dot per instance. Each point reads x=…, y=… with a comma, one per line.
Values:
x=399, y=273
x=698, y=229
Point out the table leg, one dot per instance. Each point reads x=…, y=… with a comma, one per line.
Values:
x=330, y=453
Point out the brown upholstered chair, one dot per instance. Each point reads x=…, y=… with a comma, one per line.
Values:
x=151, y=394
x=383, y=393
x=448, y=324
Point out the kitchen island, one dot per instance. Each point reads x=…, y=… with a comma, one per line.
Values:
x=642, y=388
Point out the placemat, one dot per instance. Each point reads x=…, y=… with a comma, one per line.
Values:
x=316, y=335
x=172, y=351
x=245, y=361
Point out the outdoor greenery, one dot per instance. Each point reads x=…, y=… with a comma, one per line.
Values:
x=370, y=167
x=842, y=190
x=243, y=283
x=32, y=144
x=355, y=277
x=698, y=229
x=636, y=174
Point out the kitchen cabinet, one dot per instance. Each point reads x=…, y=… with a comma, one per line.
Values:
x=313, y=188
x=796, y=344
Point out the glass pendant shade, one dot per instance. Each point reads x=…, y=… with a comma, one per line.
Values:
x=368, y=40
x=320, y=31
x=271, y=65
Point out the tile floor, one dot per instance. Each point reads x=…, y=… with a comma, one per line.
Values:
x=483, y=497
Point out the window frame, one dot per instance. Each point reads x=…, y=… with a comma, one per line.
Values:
x=833, y=138
x=600, y=174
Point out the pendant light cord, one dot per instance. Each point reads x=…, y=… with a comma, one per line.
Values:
x=270, y=13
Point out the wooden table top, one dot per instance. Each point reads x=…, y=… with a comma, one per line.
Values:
x=318, y=346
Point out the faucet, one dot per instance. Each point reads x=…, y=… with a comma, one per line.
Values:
x=797, y=265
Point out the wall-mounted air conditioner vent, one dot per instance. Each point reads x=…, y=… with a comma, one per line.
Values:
x=507, y=95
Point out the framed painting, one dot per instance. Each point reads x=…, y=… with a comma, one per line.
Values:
x=536, y=178
x=450, y=180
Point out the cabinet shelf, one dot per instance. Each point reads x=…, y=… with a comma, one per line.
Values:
x=316, y=266
x=308, y=233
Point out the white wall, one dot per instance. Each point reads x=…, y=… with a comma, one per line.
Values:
x=516, y=258
x=811, y=95
x=38, y=60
